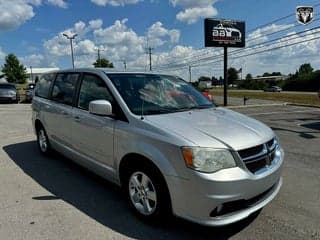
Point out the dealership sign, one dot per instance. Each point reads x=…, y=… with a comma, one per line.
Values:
x=224, y=33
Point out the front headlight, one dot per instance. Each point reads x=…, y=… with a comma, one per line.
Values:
x=207, y=160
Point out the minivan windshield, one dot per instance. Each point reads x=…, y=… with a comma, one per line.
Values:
x=7, y=86
x=147, y=94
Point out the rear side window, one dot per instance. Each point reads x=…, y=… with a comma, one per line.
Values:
x=92, y=88
x=43, y=85
x=64, y=87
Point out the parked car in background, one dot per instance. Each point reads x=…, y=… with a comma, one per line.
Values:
x=8, y=93
x=273, y=89
x=29, y=92
x=168, y=146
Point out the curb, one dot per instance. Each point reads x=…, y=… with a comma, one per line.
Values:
x=303, y=105
x=258, y=105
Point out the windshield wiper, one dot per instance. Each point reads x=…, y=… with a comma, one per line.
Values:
x=160, y=111
x=195, y=107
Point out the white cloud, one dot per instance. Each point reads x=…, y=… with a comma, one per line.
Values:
x=95, y=24
x=34, y=2
x=34, y=60
x=85, y=47
x=58, y=3
x=115, y=2
x=119, y=40
x=57, y=46
x=2, y=56
x=286, y=59
x=193, y=10
x=192, y=3
x=259, y=35
x=14, y=13
x=191, y=15
x=157, y=33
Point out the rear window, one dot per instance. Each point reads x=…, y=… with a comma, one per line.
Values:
x=64, y=87
x=43, y=85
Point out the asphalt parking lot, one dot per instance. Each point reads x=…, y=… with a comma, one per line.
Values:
x=53, y=198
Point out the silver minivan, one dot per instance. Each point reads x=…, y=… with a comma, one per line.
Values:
x=169, y=147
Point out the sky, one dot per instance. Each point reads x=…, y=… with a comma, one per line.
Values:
x=124, y=29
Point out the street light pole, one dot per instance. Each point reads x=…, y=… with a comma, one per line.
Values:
x=31, y=75
x=71, y=37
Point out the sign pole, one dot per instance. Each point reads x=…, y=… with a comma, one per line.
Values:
x=225, y=82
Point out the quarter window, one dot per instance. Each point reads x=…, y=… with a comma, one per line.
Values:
x=92, y=88
x=43, y=85
x=64, y=87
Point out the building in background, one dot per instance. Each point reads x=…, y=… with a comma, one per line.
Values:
x=35, y=73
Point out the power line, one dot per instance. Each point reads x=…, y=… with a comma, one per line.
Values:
x=258, y=52
x=253, y=47
x=278, y=20
x=263, y=44
x=249, y=40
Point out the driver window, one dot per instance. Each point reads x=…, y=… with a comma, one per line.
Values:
x=92, y=88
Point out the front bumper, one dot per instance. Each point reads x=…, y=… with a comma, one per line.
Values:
x=223, y=197
x=8, y=98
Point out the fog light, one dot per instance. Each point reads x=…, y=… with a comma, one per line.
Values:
x=216, y=212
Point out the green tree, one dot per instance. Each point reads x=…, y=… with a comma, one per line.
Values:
x=204, y=78
x=103, y=63
x=248, y=76
x=232, y=75
x=305, y=69
x=14, y=71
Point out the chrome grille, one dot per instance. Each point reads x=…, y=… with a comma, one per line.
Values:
x=259, y=157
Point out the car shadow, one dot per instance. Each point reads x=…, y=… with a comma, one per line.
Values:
x=103, y=201
x=302, y=134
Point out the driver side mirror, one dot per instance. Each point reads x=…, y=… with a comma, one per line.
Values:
x=100, y=107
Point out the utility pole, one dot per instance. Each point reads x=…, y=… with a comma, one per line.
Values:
x=225, y=73
x=99, y=55
x=125, y=64
x=190, y=74
x=31, y=74
x=150, y=58
x=71, y=37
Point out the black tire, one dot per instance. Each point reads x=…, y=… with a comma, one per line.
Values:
x=161, y=207
x=43, y=141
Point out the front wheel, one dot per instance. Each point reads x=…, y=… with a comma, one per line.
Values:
x=147, y=193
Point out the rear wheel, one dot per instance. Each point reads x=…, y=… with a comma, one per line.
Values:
x=147, y=192
x=43, y=141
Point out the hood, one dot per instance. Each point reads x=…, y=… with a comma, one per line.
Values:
x=214, y=127
x=5, y=91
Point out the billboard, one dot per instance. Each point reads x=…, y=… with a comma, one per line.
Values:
x=224, y=33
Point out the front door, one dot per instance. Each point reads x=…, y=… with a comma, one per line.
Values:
x=93, y=135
